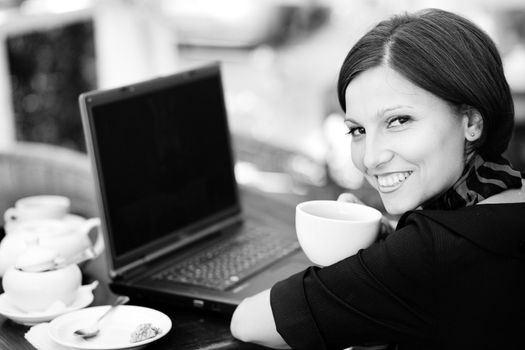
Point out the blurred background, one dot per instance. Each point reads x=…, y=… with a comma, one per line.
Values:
x=280, y=61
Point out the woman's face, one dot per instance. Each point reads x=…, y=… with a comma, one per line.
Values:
x=408, y=143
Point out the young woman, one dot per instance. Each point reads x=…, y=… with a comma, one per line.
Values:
x=430, y=113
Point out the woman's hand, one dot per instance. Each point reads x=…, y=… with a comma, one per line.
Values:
x=386, y=226
x=253, y=322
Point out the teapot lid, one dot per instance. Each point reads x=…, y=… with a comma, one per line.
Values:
x=36, y=259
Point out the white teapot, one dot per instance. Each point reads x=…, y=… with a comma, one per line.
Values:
x=66, y=237
x=37, y=283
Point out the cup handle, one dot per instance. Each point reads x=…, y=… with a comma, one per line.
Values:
x=98, y=246
x=10, y=215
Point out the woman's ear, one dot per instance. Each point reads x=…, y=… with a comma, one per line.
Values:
x=473, y=124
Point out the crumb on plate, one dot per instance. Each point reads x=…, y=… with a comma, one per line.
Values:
x=144, y=331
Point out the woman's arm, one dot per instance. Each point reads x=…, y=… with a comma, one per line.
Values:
x=380, y=295
x=253, y=322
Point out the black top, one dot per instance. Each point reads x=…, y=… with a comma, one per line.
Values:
x=443, y=280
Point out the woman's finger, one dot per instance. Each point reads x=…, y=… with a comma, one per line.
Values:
x=349, y=197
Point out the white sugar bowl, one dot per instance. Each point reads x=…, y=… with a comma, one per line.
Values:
x=34, y=285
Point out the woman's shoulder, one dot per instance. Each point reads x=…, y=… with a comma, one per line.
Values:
x=475, y=216
x=502, y=207
x=497, y=226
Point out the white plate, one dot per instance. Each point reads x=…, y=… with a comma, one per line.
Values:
x=115, y=329
x=84, y=298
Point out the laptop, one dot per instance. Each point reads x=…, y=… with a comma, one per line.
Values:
x=172, y=220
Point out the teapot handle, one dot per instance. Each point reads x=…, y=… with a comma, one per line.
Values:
x=98, y=246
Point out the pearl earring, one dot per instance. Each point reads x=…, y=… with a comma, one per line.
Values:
x=472, y=134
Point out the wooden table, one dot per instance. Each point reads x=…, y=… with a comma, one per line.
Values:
x=192, y=329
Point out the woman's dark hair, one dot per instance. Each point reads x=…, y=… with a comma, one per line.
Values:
x=448, y=56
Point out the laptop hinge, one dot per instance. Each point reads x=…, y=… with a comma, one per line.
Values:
x=215, y=228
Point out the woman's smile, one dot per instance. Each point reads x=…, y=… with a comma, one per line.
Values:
x=391, y=181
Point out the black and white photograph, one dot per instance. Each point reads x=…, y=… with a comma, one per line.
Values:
x=262, y=174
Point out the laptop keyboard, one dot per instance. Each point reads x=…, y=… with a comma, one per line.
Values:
x=228, y=263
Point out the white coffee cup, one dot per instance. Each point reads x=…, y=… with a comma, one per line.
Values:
x=329, y=231
x=38, y=208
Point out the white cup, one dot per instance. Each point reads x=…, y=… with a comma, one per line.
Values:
x=38, y=208
x=329, y=231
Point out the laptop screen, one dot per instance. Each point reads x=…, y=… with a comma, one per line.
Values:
x=163, y=159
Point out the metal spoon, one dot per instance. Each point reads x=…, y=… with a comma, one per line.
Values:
x=93, y=330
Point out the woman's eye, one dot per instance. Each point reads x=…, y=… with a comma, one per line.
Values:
x=398, y=121
x=356, y=131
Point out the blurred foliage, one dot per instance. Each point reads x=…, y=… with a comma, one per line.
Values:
x=48, y=69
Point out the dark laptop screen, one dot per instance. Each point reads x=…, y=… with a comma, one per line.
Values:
x=165, y=163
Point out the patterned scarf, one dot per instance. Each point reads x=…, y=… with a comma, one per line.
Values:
x=480, y=180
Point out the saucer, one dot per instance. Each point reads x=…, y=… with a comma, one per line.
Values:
x=115, y=329
x=84, y=298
